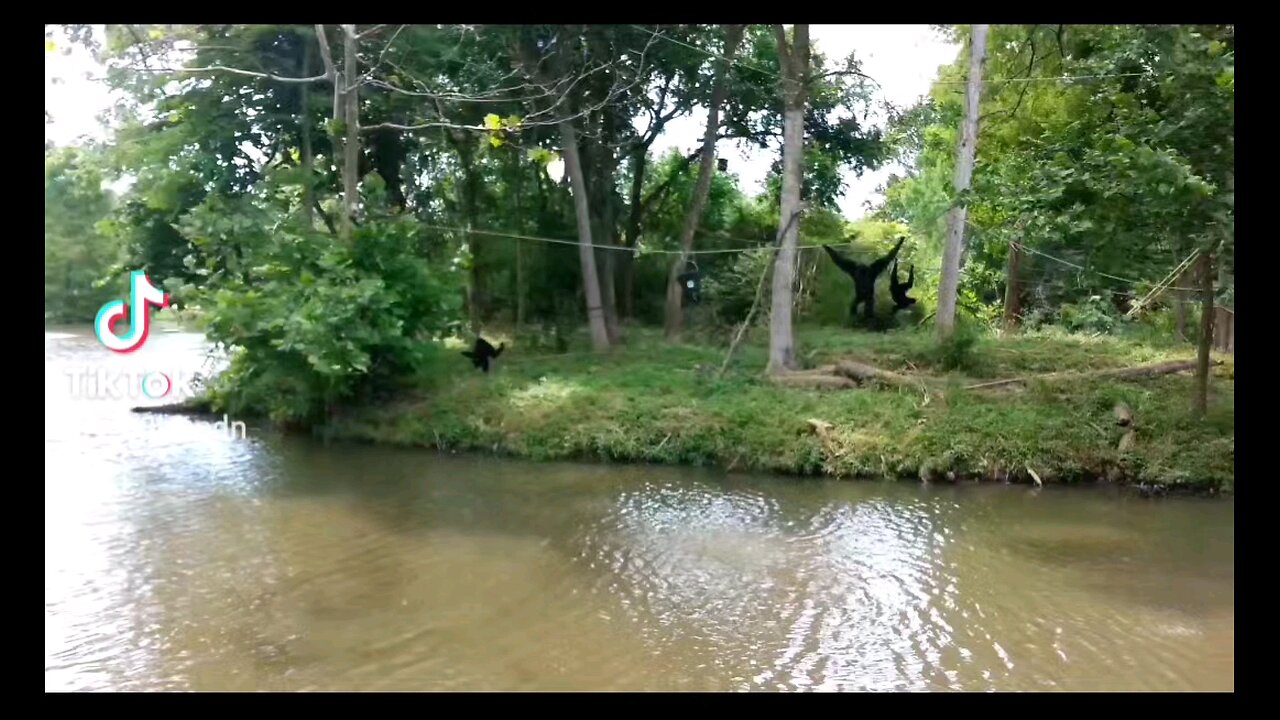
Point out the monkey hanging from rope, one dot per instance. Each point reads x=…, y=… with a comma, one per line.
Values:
x=864, y=278
x=899, y=290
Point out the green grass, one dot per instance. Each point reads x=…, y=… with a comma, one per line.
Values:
x=655, y=402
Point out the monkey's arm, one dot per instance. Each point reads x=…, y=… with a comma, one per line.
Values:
x=845, y=264
x=880, y=264
x=911, y=276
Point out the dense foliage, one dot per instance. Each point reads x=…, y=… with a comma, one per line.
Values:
x=77, y=253
x=1107, y=151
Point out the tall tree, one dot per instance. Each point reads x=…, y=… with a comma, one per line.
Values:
x=793, y=57
x=674, y=316
x=950, y=282
x=559, y=46
x=351, y=123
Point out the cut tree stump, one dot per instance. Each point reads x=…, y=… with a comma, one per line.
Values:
x=822, y=429
x=1124, y=414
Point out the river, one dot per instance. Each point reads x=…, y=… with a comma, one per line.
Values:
x=179, y=557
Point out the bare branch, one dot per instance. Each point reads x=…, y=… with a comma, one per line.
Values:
x=325, y=55
x=848, y=72
x=387, y=47
x=233, y=71
x=1023, y=91
x=784, y=50
x=459, y=97
x=421, y=126
x=330, y=70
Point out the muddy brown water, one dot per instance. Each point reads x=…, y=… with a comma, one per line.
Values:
x=178, y=558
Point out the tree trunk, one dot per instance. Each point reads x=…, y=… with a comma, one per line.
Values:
x=520, y=285
x=794, y=59
x=1013, y=290
x=308, y=157
x=518, y=174
x=674, y=321
x=351, y=147
x=1180, y=313
x=631, y=235
x=1201, y=406
x=607, y=259
x=467, y=203
x=608, y=295
x=586, y=250
x=950, y=282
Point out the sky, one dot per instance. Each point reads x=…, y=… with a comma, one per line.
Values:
x=903, y=59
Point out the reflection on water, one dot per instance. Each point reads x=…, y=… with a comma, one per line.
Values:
x=179, y=559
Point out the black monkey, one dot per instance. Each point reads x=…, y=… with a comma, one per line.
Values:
x=483, y=353
x=899, y=290
x=864, y=277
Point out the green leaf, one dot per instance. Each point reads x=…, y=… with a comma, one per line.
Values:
x=542, y=156
x=492, y=122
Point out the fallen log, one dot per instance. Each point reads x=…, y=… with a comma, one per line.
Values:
x=861, y=372
x=813, y=381
x=1127, y=441
x=820, y=370
x=186, y=407
x=1131, y=373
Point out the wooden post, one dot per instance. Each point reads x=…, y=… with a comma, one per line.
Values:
x=1201, y=405
x=1013, y=289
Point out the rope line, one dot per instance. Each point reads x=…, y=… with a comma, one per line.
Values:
x=759, y=248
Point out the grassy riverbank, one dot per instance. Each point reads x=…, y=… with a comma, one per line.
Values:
x=654, y=402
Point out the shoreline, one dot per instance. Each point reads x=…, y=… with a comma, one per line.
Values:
x=1142, y=488
x=911, y=420
x=1207, y=489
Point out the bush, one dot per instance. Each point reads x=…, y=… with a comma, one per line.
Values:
x=958, y=352
x=1094, y=315
x=731, y=290
x=314, y=322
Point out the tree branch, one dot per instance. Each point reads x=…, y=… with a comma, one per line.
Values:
x=1023, y=91
x=234, y=71
x=325, y=54
x=848, y=72
x=328, y=221
x=784, y=50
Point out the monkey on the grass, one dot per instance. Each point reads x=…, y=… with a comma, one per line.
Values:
x=864, y=278
x=483, y=352
x=899, y=290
